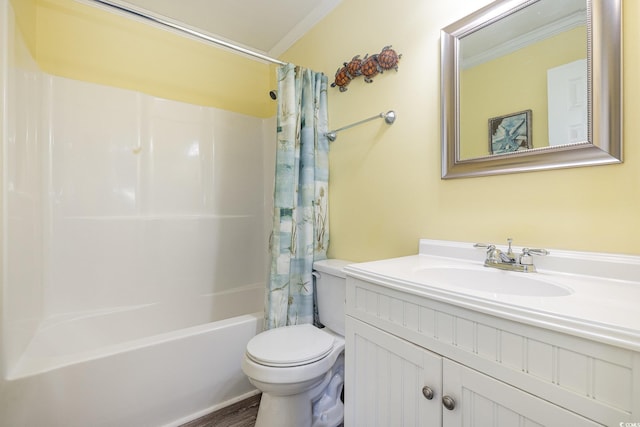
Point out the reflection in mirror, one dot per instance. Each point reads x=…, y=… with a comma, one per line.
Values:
x=519, y=79
x=504, y=69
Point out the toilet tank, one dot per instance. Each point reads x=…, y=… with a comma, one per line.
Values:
x=330, y=291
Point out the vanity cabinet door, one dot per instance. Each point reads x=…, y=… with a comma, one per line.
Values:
x=386, y=379
x=482, y=400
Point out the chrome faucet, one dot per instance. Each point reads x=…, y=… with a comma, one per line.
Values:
x=509, y=260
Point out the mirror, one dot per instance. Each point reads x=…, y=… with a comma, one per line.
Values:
x=532, y=85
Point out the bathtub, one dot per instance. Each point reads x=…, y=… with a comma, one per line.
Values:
x=130, y=366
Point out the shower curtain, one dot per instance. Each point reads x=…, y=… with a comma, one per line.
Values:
x=300, y=219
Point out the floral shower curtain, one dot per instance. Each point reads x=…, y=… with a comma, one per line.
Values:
x=300, y=222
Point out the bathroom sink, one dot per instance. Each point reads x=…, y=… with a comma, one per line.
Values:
x=493, y=281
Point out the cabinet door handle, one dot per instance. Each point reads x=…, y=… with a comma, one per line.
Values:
x=427, y=392
x=448, y=402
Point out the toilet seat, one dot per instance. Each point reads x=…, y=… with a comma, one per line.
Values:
x=290, y=346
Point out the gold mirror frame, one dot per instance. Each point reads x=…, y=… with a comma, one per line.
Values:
x=604, y=144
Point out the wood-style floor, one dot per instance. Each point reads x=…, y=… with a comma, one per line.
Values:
x=240, y=414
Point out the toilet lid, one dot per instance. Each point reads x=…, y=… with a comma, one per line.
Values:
x=290, y=346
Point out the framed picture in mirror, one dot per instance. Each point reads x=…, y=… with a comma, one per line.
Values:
x=510, y=133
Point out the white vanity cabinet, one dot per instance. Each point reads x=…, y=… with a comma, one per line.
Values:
x=495, y=371
x=386, y=379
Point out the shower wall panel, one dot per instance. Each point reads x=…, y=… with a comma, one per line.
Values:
x=150, y=200
x=22, y=299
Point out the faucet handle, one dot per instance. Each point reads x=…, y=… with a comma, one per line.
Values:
x=491, y=249
x=541, y=252
x=482, y=245
x=527, y=259
x=494, y=255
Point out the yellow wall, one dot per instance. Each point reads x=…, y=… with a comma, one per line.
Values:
x=25, y=11
x=83, y=42
x=385, y=186
x=511, y=83
x=386, y=190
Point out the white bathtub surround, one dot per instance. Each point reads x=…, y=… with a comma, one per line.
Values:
x=492, y=346
x=151, y=199
x=22, y=177
x=134, y=249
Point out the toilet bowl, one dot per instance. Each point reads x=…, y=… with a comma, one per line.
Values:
x=300, y=368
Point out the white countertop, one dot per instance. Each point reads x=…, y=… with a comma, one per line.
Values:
x=599, y=307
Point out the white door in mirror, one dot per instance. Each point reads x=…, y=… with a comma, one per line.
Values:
x=567, y=98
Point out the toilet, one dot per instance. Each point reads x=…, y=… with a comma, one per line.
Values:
x=300, y=369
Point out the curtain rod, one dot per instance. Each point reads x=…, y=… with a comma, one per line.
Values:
x=186, y=30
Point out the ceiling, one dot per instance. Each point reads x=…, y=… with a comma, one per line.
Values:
x=267, y=26
x=531, y=24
